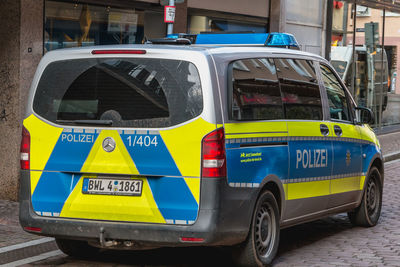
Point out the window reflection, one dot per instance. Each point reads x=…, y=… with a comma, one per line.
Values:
x=300, y=89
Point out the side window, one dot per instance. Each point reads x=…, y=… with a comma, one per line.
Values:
x=254, y=91
x=338, y=103
x=300, y=91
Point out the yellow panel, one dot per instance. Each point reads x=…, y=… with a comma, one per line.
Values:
x=306, y=128
x=308, y=189
x=274, y=128
x=233, y=136
x=35, y=176
x=345, y=185
x=285, y=189
x=348, y=130
x=184, y=145
x=368, y=134
x=118, y=161
x=194, y=186
x=113, y=208
x=362, y=181
x=43, y=140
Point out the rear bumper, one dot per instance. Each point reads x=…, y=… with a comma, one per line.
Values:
x=223, y=219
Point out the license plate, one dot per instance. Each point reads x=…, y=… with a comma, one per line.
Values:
x=104, y=186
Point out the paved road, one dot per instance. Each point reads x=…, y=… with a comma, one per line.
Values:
x=329, y=242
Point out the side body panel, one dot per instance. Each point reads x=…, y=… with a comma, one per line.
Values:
x=311, y=158
x=347, y=173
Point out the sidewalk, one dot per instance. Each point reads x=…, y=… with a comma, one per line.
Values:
x=11, y=232
x=390, y=144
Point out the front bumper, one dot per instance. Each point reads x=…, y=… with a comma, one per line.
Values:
x=224, y=219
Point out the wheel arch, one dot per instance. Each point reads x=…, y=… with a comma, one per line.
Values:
x=376, y=161
x=275, y=186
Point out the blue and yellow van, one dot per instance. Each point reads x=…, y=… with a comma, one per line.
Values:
x=143, y=146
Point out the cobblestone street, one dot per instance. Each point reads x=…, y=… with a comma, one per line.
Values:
x=329, y=242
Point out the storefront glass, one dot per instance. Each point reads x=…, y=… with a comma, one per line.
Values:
x=369, y=73
x=72, y=24
x=199, y=24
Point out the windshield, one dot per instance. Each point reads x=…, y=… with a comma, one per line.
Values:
x=340, y=67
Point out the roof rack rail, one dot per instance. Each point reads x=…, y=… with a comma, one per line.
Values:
x=172, y=41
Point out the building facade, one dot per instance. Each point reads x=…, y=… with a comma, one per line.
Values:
x=31, y=28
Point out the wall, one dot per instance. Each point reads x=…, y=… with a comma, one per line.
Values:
x=9, y=96
x=20, y=28
x=307, y=24
x=259, y=8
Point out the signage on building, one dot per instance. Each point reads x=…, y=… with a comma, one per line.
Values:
x=166, y=2
x=169, y=14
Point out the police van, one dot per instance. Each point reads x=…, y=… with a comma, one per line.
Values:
x=146, y=146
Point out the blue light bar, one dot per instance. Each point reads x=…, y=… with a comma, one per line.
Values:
x=232, y=38
x=284, y=40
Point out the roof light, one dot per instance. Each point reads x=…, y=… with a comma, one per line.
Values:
x=274, y=39
x=282, y=40
x=119, y=51
x=232, y=38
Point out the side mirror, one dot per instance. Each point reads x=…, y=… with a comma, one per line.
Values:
x=364, y=115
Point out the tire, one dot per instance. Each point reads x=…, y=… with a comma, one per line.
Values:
x=76, y=248
x=367, y=214
x=262, y=243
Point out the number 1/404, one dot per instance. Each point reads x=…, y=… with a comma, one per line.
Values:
x=141, y=140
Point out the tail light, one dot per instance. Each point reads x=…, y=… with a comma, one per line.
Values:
x=25, y=149
x=213, y=154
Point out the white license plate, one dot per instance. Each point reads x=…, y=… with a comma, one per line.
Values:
x=104, y=186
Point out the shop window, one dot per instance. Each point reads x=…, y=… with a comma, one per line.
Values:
x=198, y=24
x=76, y=24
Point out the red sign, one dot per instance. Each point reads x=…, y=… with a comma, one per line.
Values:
x=169, y=14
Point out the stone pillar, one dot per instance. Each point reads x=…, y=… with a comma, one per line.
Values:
x=277, y=16
x=10, y=114
x=21, y=27
x=180, y=25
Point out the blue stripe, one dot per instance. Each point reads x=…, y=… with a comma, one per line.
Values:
x=253, y=164
x=53, y=190
x=173, y=198
x=150, y=155
x=69, y=155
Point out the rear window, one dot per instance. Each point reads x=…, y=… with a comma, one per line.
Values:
x=123, y=92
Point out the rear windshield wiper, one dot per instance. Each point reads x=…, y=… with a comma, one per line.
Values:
x=88, y=122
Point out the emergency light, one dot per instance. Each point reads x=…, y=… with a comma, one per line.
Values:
x=275, y=39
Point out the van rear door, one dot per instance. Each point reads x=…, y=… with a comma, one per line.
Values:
x=118, y=138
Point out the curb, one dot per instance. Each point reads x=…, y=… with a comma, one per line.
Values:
x=391, y=156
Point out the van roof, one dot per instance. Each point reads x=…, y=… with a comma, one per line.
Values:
x=207, y=49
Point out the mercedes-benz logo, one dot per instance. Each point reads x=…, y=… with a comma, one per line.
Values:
x=108, y=144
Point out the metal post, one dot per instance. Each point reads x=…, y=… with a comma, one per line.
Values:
x=382, y=78
x=353, y=81
x=329, y=18
x=170, y=26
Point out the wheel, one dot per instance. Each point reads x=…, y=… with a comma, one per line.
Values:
x=261, y=244
x=76, y=248
x=367, y=214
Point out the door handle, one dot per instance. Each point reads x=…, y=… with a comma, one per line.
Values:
x=324, y=129
x=338, y=131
